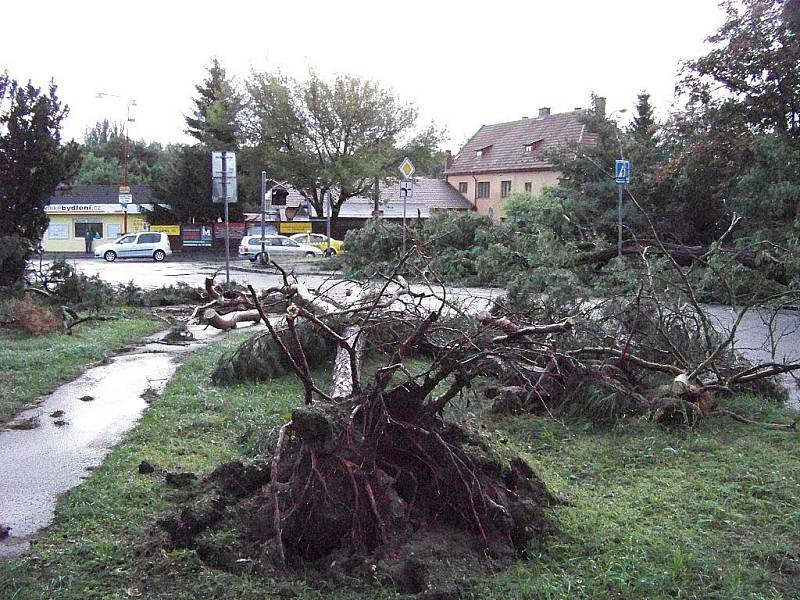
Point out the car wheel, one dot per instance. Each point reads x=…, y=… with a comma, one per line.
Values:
x=329, y=252
x=110, y=255
x=159, y=255
x=310, y=255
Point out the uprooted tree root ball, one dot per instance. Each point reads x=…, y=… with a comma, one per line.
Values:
x=338, y=486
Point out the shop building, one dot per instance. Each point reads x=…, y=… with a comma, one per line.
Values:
x=75, y=209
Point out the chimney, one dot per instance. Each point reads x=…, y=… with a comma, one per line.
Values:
x=448, y=159
x=600, y=105
x=544, y=111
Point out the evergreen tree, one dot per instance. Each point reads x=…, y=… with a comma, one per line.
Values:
x=33, y=161
x=643, y=128
x=217, y=107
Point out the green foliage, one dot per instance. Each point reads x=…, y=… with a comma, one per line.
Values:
x=215, y=120
x=14, y=252
x=340, y=136
x=33, y=161
x=181, y=293
x=260, y=359
x=753, y=68
x=78, y=290
x=374, y=246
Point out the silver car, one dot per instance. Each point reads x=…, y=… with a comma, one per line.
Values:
x=275, y=245
x=147, y=244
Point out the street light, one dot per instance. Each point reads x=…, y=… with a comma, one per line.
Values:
x=124, y=187
x=620, y=186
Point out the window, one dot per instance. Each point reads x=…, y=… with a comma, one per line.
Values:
x=148, y=238
x=483, y=189
x=478, y=153
x=128, y=239
x=533, y=146
x=528, y=187
x=82, y=226
x=58, y=231
x=505, y=189
x=463, y=187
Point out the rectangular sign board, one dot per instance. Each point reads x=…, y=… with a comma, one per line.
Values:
x=168, y=229
x=295, y=227
x=230, y=164
x=197, y=235
x=228, y=176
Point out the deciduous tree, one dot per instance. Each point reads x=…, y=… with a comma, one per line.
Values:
x=339, y=136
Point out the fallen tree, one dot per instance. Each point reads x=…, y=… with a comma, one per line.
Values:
x=371, y=459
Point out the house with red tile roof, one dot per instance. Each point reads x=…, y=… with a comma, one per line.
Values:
x=506, y=158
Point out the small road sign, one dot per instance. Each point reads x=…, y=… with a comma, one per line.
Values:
x=622, y=171
x=406, y=188
x=407, y=168
x=125, y=199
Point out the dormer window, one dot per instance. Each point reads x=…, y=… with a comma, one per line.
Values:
x=482, y=152
x=534, y=145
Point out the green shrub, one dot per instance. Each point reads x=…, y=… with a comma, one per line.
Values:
x=78, y=290
x=14, y=252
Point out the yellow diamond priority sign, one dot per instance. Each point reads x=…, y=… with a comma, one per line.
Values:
x=407, y=168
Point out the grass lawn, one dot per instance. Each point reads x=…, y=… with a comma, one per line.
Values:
x=707, y=513
x=33, y=366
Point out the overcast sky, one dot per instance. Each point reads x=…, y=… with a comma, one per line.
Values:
x=462, y=63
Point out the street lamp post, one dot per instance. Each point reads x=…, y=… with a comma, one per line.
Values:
x=124, y=187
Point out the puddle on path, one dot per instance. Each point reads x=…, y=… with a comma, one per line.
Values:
x=92, y=414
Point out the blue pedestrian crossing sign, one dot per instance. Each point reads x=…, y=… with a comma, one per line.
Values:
x=622, y=171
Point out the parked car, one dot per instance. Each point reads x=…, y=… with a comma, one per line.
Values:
x=275, y=245
x=147, y=244
x=319, y=241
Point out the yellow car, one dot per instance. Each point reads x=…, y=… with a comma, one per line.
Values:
x=320, y=241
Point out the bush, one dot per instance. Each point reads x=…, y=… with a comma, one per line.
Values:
x=78, y=290
x=14, y=252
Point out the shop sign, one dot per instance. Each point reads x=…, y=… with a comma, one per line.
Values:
x=295, y=227
x=196, y=235
x=168, y=229
x=237, y=230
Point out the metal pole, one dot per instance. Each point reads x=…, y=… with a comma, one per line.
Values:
x=227, y=229
x=405, y=195
x=619, y=219
x=263, y=260
x=125, y=166
x=327, y=209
